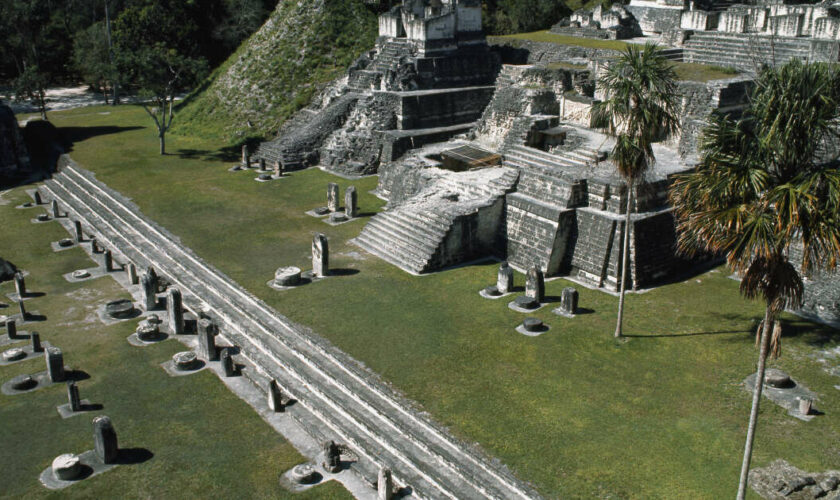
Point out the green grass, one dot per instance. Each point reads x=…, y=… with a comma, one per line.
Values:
x=662, y=415
x=702, y=73
x=187, y=423
x=547, y=36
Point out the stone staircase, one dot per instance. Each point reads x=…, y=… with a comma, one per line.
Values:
x=742, y=51
x=390, y=54
x=527, y=156
x=291, y=149
x=412, y=236
x=407, y=237
x=549, y=185
x=675, y=54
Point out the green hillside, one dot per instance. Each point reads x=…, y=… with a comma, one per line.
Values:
x=303, y=45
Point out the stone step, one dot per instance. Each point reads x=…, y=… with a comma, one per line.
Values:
x=435, y=228
x=317, y=375
x=375, y=246
x=543, y=158
x=425, y=243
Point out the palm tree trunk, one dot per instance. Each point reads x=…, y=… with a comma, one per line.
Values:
x=625, y=259
x=759, y=385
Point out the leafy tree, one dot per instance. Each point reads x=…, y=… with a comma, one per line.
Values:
x=92, y=59
x=503, y=17
x=768, y=181
x=156, y=54
x=641, y=107
x=33, y=39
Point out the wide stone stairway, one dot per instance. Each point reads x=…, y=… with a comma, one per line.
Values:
x=742, y=51
x=337, y=398
x=287, y=148
x=413, y=235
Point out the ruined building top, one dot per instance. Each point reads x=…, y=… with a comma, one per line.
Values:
x=434, y=25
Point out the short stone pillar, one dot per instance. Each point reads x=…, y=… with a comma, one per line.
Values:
x=105, y=440
x=11, y=328
x=320, y=255
x=73, y=397
x=569, y=301
x=131, y=269
x=535, y=284
x=66, y=467
x=275, y=397
x=504, y=281
x=54, y=207
x=278, y=168
x=246, y=158
x=35, y=342
x=109, y=261
x=332, y=457
x=207, y=331
x=804, y=406
x=55, y=364
x=38, y=200
x=77, y=228
x=384, y=484
x=332, y=197
x=262, y=165
x=175, y=311
x=351, y=202
x=20, y=284
x=148, y=285
x=94, y=245
x=228, y=367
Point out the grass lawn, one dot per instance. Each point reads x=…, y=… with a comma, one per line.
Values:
x=547, y=36
x=662, y=415
x=185, y=422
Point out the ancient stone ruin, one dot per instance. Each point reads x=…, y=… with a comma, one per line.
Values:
x=105, y=440
x=320, y=256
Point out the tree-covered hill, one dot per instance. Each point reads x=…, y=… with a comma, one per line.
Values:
x=274, y=73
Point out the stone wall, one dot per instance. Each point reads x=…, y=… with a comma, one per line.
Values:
x=822, y=292
x=515, y=51
x=472, y=236
x=653, y=18
x=429, y=109
x=14, y=158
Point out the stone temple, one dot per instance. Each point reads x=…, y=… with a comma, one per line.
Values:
x=488, y=149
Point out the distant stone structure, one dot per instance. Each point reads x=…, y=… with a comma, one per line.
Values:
x=428, y=79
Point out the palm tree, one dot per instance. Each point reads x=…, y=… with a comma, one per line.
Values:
x=641, y=107
x=767, y=181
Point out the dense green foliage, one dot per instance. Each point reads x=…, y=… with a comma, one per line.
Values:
x=54, y=42
x=277, y=71
x=503, y=17
x=576, y=413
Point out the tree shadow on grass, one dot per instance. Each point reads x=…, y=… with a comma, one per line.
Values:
x=222, y=155
x=814, y=334
x=72, y=135
x=692, y=334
